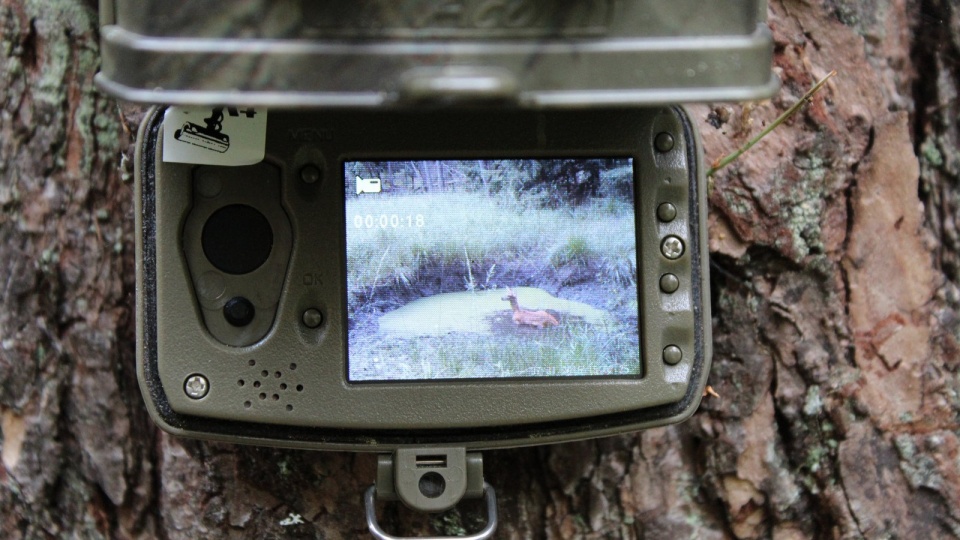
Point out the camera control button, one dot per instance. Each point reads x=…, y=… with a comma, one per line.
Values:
x=672, y=354
x=669, y=283
x=666, y=212
x=310, y=174
x=664, y=142
x=312, y=318
x=238, y=311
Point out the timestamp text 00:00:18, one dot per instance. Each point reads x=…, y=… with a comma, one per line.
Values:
x=385, y=221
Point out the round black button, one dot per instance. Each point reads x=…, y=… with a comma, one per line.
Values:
x=237, y=239
x=669, y=283
x=664, y=142
x=666, y=212
x=238, y=311
x=310, y=174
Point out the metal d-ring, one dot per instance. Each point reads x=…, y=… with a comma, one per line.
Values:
x=486, y=533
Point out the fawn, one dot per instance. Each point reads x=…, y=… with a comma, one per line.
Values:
x=538, y=319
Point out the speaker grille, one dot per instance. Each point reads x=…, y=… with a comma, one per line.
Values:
x=270, y=386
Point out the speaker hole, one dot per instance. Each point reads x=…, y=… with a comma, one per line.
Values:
x=293, y=367
x=283, y=386
x=252, y=362
x=256, y=384
x=276, y=397
x=265, y=373
x=278, y=374
x=241, y=382
x=247, y=404
x=263, y=396
x=289, y=407
x=299, y=388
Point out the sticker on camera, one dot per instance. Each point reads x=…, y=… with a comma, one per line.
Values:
x=214, y=135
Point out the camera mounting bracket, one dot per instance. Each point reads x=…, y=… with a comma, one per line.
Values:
x=430, y=480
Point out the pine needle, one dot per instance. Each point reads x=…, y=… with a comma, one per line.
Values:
x=726, y=160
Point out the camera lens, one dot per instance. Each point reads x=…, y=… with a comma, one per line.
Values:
x=238, y=311
x=237, y=239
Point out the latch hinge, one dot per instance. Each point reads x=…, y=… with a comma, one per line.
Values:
x=430, y=480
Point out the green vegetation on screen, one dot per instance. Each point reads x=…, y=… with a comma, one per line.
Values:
x=486, y=232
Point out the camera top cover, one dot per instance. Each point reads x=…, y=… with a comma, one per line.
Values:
x=387, y=53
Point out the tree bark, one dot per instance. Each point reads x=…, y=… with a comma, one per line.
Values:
x=835, y=270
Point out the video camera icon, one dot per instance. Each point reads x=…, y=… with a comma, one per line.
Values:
x=368, y=185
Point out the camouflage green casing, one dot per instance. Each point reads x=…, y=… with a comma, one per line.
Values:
x=307, y=400
x=379, y=53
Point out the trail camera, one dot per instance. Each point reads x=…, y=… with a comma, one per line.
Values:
x=424, y=228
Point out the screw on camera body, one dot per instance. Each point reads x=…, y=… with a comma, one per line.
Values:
x=196, y=386
x=672, y=247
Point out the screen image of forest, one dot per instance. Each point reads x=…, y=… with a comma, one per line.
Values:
x=483, y=269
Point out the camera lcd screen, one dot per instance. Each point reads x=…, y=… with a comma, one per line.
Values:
x=491, y=269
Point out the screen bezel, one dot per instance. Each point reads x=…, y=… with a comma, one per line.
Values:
x=484, y=418
x=341, y=166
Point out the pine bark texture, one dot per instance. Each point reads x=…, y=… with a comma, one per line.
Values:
x=835, y=269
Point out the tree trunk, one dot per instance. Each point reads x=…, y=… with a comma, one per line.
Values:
x=835, y=270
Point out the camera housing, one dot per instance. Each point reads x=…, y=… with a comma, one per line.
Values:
x=467, y=224
x=388, y=53
x=254, y=316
